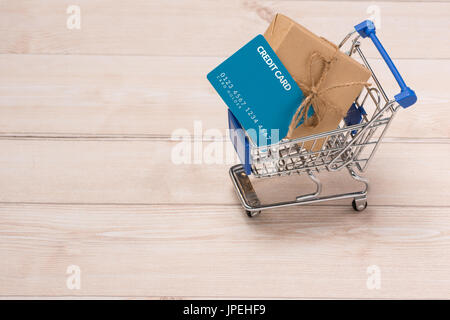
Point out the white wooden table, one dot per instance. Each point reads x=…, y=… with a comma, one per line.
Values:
x=86, y=177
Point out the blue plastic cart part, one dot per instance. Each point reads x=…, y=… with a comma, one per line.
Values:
x=407, y=97
x=354, y=116
x=240, y=142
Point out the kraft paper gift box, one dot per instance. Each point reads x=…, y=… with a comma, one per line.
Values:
x=306, y=55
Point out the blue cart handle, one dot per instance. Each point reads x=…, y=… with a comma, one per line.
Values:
x=407, y=97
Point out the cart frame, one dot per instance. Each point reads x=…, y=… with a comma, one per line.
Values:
x=349, y=146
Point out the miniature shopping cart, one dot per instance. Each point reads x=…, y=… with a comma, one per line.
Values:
x=351, y=146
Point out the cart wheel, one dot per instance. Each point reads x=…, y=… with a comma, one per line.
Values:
x=361, y=205
x=251, y=214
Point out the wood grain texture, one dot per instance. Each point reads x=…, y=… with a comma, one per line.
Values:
x=87, y=178
x=111, y=95
x=193, y=27
x=215, y=251
x=143, y=172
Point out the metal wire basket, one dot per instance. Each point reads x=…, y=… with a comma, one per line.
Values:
x=350, y=146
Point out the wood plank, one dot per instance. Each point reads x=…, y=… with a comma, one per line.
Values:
x=112, y=95
x=194, y=27
x=90, y=171
x=216, y=251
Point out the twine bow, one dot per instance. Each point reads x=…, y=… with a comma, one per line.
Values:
x=314, y=94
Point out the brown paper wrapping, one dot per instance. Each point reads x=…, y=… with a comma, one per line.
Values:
x=294, y=44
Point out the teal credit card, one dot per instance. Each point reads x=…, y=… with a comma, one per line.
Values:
x=259, y=91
